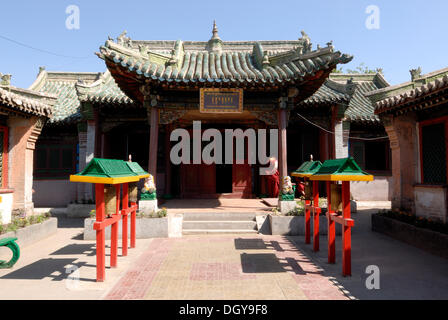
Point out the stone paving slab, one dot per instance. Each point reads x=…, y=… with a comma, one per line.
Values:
x=224, y=267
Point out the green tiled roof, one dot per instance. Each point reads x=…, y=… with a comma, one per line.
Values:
x=344, y=166
x=400, y=96
x=216, y=61
x=352, y=90
x=136, y=168
x=308, y=167
x=104, y=90
x=330, y=92
x=110, y=168
x=63, y=85
x=25, y=101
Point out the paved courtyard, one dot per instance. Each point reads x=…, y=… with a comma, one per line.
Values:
x=224, y=267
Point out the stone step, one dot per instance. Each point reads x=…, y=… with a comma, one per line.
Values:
x=219, y=225
x=218, y=231
x=220, y=216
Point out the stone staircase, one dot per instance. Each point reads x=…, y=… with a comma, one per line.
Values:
x=219, y=223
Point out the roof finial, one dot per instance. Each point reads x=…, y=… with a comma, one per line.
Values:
x=311, y=157
x=130, y=158
x=215, y=31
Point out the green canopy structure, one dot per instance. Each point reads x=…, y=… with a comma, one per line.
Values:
x=110, y=171
x=345, y=169
x=307, y=169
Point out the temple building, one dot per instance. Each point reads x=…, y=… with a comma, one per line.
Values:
x=23, y=113
x=415, y=116
x=151, y=88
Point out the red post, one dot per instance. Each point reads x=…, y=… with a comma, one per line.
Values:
x=315, y=215
x=124, y=232
x=346, y=237
x=114, y=231
x=307, y=221
x=331, y=228
x=100, y=234
x=133, y=217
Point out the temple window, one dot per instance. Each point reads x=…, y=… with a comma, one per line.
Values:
x=433, y=151
x=55, y=160
x=371, y=155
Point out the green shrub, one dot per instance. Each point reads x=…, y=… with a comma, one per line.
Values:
x=162, y=212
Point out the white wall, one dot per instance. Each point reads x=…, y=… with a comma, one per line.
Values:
x=6, y=207
x=431, y=202
x=380, y=189
x=53, y=193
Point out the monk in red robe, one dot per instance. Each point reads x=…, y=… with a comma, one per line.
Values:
x=273, y=178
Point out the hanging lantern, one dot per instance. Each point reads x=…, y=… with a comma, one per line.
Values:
x=133, y=192
x=336, y=197
x=308, y=191
x=110, y=199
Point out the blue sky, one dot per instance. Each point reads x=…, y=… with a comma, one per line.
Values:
x=411, y=33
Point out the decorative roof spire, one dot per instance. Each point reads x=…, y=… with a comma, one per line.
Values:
x=215, y=43
x=215, y=31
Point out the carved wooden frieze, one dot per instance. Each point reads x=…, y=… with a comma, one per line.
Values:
x=168, y=116
x=268, y=117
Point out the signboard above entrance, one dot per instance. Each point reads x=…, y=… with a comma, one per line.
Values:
x=214, y=100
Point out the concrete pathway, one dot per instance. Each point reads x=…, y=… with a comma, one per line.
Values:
x=43, y=269
x=224, y=267
x=406, y=272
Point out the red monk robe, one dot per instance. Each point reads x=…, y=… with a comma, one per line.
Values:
x=273, y=179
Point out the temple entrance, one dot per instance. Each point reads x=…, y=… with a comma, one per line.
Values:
x=207, y=181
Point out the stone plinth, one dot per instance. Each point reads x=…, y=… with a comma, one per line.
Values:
x=147, y=206
x=286, y=206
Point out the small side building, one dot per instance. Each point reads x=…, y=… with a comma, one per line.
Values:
x=415, y=116
x=23, y=114
x=342, y=108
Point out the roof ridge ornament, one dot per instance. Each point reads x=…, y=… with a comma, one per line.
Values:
x=265, y=61
x=416, y=73
x=215, y=31
x=305, y=42
x=351, y=86
x=123, y=40
x=215, y=43
x=6, y=79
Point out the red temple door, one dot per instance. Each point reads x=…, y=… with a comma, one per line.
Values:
x=242, y=176
x=198, y=180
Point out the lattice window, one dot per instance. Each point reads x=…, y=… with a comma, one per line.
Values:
x=358, y=152
x=54, y=160
x=434, y=153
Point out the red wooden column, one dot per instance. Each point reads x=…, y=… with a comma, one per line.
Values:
x=133, y=217
x=316, y=211
x=331, y=227
x=346, y=236
x=307, y=221
x=100, y=234
x=114, y=231
x=153, y=140
x=124, y=232
x=282, y=163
